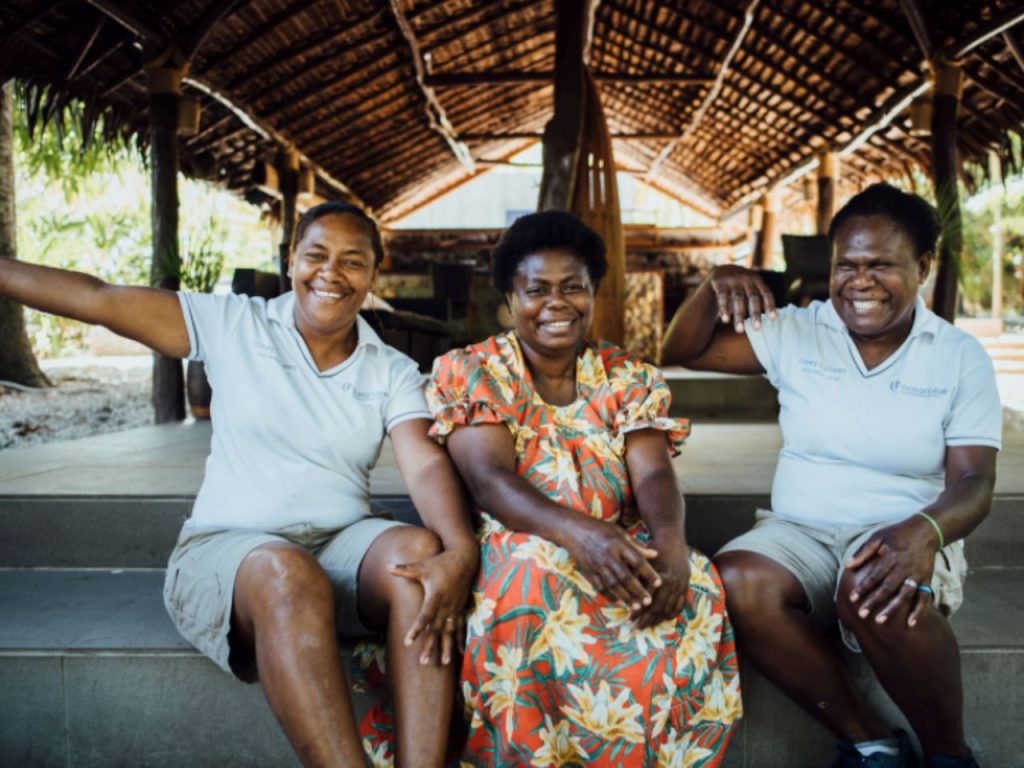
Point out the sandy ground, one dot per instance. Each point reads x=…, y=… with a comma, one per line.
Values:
x=94, y=395
x=91, y=396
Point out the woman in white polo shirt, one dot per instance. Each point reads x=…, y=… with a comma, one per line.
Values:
x=281, y=554
x=891, y=422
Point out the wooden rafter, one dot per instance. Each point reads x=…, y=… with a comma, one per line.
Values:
x=711, y=95
x=89, y=42
x=290, y=11
x=1015, y=50
x=436, y=116
x=129, y=21
x=1006, y=21
x=192, y=39
x=452, y=79
x=301, y=50
x=919, y=28
x=269, y=133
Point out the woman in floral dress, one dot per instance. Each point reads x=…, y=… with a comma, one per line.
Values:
x=597, y=636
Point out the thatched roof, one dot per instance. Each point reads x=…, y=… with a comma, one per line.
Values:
x=399, y=100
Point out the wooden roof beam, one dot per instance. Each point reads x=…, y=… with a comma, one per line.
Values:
x=919, y=28
x=1015, y=49
x=877, y=121
x=537, y=135
x=129, y=21
x=89, y=42
x=453, y=79
x=291, y=10
x=436, y=116
x=192, y=39
x=997, y=26
x=271, y=134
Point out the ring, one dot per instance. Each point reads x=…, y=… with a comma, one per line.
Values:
x=910, y=583
x=926, y=588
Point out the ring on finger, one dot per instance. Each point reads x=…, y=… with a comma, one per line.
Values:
x=926, y=589
x=912, y=583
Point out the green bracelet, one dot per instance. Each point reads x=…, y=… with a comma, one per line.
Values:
x=930, y=519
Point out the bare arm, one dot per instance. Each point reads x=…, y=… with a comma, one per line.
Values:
x=148, y=315
x=697, y=340
x=447, y=578
x=615, y=564
x=907, y=549
x=661, y=506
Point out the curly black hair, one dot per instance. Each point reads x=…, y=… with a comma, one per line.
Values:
x=335, y=208
x=546, y=231
x=913, y=214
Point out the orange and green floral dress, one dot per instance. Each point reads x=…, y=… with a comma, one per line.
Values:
x=554, y=673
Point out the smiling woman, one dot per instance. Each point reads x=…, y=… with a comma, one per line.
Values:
x=890, y=421
x=281, y=554
x=597, y=636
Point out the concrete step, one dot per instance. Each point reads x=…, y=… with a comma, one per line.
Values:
x=704, y=395
x=140, y=531
x=93, y=674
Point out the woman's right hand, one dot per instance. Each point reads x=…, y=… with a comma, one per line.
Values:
x=741, y=293
x=613, y=562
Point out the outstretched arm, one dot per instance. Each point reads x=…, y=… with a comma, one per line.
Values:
x=151, y=316
x=613, y=562
x=695, y=338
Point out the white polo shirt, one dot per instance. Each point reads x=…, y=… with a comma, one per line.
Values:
x=862, y=446
x=291, y=444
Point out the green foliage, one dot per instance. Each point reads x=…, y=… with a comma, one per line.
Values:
x=202, y=257
x=70, y=147
x=83, y=203
x=976, y=257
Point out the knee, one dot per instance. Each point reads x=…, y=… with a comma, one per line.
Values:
x=867, y=629
x=749, y=588
x=412, y=544
x=283, y=578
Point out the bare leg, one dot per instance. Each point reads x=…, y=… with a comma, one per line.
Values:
x=767, y=606
x=423, y=694
x=284, y=612
x=919, y=667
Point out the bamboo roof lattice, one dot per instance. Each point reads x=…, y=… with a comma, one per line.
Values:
x=393, y=102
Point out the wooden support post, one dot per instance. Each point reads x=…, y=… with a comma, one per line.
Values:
x=828, y=179
x=562, y=133
x=766, y=237
x=164, y=85
x=288, y=175
x=948, y=80
x=995, y=177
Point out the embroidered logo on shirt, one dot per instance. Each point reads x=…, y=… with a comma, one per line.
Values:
x=264, y=349
x=830, y=372
x=906, y=389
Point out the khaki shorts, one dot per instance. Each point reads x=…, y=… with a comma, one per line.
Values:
x=200, y=581
x=816, y=555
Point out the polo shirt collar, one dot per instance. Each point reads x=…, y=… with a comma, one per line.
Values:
x=281, y=310
x=925, y=321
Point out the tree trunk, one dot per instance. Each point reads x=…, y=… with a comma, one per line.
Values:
x=17, y=363
x=945, y=165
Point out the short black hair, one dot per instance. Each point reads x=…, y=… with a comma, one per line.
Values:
x=546, y=231
x=912, y=213
x=336, y=208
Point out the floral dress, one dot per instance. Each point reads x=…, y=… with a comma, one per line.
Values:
x=554, y=673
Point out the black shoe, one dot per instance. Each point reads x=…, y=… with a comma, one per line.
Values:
x=849, y=757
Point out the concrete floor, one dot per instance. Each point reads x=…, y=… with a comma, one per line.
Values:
x=168, y=461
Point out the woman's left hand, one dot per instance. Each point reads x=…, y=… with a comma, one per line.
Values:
x=668, y=600
x=446, y=579
x=890, y=566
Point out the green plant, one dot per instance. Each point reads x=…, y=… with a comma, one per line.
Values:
x=202, y=258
